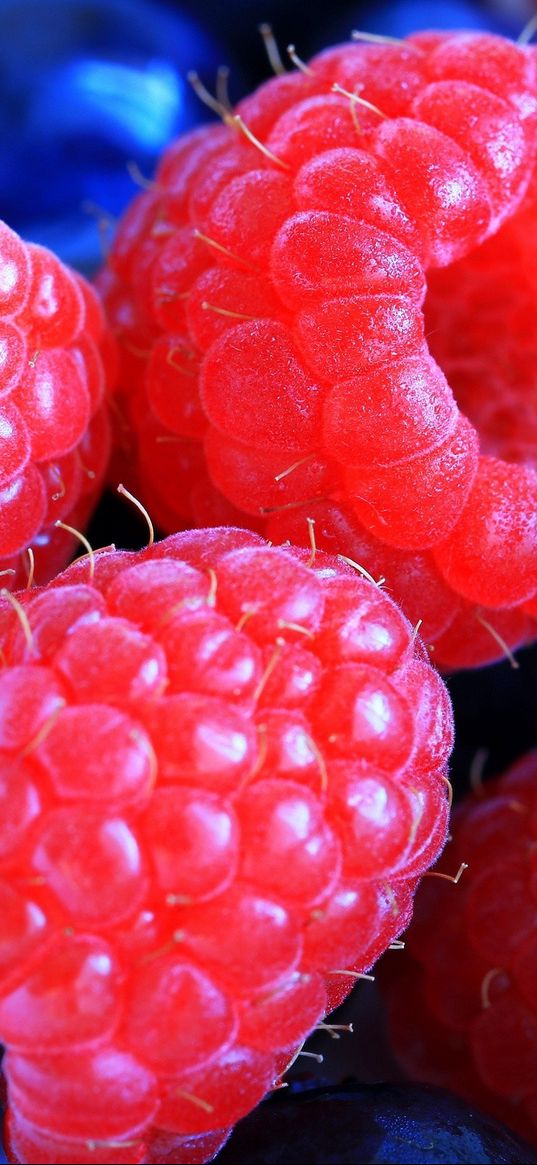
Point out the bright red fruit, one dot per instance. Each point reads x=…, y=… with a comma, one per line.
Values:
x=222, y=775
x=55, y=353
x=268, y=296
x=464, y=1006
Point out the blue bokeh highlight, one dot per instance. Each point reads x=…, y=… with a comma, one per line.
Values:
x=85, y=87
x=401, y=17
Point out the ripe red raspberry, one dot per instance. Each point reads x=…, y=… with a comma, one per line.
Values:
x=222, y=776
x=268, y=297
x=54, y=432
x=464, y=1008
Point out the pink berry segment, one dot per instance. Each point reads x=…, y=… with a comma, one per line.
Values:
x=223, y=774
x=271, y=297
x=468, y=976
x=55, y=356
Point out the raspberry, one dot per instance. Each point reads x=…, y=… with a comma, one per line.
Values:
x=268, y=296
x=54, y=433
x=223, y=774
x=470, y=982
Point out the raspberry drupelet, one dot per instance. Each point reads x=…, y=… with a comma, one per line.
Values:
x=464, y=1006
x=55, y=356
x=268, y=294
x=223, y=774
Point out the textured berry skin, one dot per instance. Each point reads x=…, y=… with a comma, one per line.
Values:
x=55, y=355
x=469, y=972
x=269, y=303
x=223, y=773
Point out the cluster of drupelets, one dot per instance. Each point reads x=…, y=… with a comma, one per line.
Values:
x=224, y=769
x=56, y=359
x=224, y=761
x=270, y=299
x=469, y=976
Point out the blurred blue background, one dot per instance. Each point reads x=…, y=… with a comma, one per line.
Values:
x=88, y=85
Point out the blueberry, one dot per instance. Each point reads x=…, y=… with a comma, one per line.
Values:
x=351, y=1123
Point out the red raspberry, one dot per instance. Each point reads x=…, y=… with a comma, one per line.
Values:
x=222, y=776
x=464, y=1008
x=54, y=433
x=268, y=298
